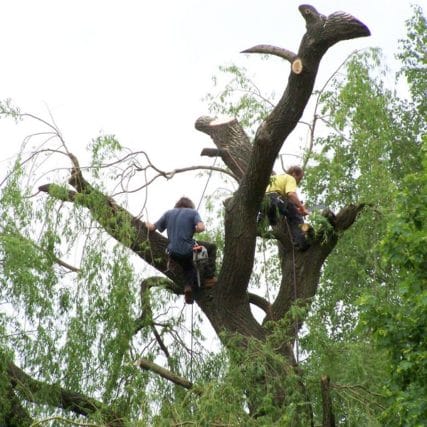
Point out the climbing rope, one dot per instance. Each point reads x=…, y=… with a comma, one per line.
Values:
x=198, y=277
x=207, y=183
x=264, y=246
x=295, y=288
x=191, y=344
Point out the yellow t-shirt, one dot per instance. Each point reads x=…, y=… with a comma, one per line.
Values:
x=282, y=184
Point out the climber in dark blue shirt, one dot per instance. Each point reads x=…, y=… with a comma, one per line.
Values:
x=181, y=223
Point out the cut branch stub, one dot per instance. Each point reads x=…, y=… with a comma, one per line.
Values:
x=297, y=66
x=231, y=140
x=212, y=152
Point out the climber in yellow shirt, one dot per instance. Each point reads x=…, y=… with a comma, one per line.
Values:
x=282, y=198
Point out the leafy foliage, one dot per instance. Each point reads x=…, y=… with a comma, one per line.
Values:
x=83, y=326
x=397, y=312
x=239, y=97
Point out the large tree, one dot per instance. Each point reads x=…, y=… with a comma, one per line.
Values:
x=83, y=340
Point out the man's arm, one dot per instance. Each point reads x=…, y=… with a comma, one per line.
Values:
x=160, y=225
x=293, y=197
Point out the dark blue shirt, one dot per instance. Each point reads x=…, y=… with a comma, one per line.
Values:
x=180, y=224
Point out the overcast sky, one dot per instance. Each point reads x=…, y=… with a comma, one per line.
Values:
x=139, y=69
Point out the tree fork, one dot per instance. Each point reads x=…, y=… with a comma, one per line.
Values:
x=322, y=33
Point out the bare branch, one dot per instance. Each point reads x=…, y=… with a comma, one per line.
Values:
x=161, y=342
x=162, y=282
x=164, y=373
x=169, y=175
x=272, y=50
x=147, y=314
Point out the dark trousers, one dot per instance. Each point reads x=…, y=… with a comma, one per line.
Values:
x=206, y=266
x=186, y=263
x=273, y=206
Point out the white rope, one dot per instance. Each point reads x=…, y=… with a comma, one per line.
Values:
x=198, y=277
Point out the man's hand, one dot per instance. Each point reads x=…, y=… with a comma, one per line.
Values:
x=151, y=227
x=293, y=197
x=303, y=210
x=200, y=226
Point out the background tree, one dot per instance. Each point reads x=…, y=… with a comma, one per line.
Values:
x=75, y=337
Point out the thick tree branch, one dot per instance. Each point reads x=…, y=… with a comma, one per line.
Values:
x=301, y=270
x=53, y=395
x=161, y=282
x=231, y=140
x=117, y=221
x=346, y=217
x=164, y=373
x=260, y=302
x=212, y=152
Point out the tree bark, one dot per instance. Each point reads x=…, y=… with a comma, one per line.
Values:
x=328, y=414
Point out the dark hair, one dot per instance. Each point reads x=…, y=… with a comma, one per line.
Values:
x=184, y=202
x=295, y=170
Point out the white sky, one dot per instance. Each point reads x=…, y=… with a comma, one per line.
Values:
x=139, y=69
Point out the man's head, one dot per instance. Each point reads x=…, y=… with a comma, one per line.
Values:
x=184, y=202
x=296, y=172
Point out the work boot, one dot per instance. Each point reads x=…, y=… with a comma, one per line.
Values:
x=210, y=283
x=188, y=294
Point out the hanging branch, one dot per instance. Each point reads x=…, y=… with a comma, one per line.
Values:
x=51, y=394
